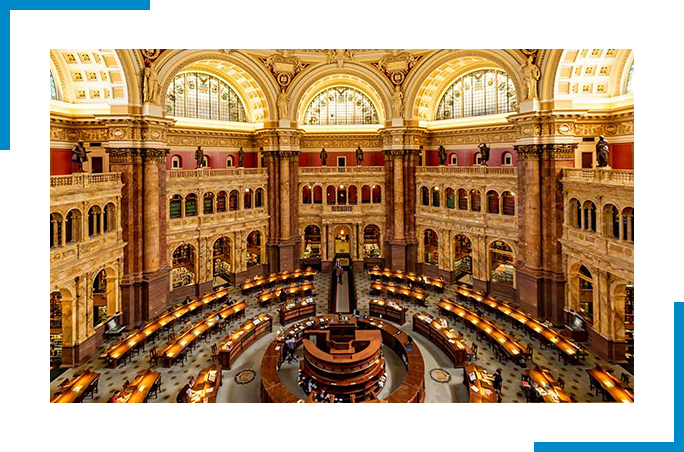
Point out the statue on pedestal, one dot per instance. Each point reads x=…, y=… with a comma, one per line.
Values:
x=442, y=154
x=324, y=157
x=199, y=157
x=484, y=153
x=602, y=152
x=359, y=155
x=531, y=75
x=151, y=87
x=241, y=158
x=79, y=155
x=283, y=100
x=398, y=103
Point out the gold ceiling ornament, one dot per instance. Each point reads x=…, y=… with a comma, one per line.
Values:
x=340, y=56
x=150, y=55
x=531, y=52
x=284, y=66
x=397, y=65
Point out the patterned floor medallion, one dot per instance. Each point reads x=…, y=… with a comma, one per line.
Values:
x=245, y=376
x=440, y=375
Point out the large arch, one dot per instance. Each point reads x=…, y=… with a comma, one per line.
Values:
x=316, y=79
x=428, y=81
x=253, y=84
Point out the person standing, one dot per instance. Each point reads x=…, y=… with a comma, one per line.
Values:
x=498, y=380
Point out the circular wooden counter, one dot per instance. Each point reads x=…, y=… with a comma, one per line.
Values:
x=412, y=389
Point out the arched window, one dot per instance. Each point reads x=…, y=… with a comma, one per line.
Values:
x=365, y=194
x=425, y=196
x=312, y=242
x=492, y=202
x=463, y=258
x=586, y=292
x=233, y=200
x=176, y=162
x=507, y=159
x=73, y=226
x=431, y=243
x=453, y=160
x=330, y=195
x=462, y=199
x=259, y=197
x=222, y=260
x=208, y=204
x=589, y=212
x=94, y=221
x=306, y=195
x=253, y=248
x=501, y=262
x=371, y=241
x=203, y=96
x=435, y=197
x=377, y=194
x=109, y=220
x=475, y=201
x=341, y=105
x=206, y=162
x=53, y=88
x=191, y=205
x=183, y=270
x=628, y=224
x=353, y=195
x=55, y=230
x=508, y=203
x=229, y=161
x=318, y=194
x=100, y=298
x=341, y=195
x=450, y=198
x=175, y=206
x=575, y=214
x=221, y=202
x=630, y=87
x=611, y=221
x=478, y=93
x=248, y=198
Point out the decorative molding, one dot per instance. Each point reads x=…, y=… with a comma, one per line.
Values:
x=284, y=67
x=396, y=65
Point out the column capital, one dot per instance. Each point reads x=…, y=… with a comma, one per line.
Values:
x=124, y=155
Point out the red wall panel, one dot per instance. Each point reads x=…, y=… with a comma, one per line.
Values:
x=622, y=156
x=60, y=162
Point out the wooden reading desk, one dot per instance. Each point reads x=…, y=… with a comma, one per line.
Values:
x=398, y=291
x=546, y=387
x=207, y=385
x=292, y=290
x=443, y=337
x=138, y=391
x=78, y=388
x=233, y=345
x=259, y=282
x=611, y=386
x=293, y=311
x=403, y=277
x=480, y=384
x=388, y=310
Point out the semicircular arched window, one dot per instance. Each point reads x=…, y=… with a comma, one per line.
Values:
x=203, y=96
x=53, y=88
x=478, y=93
x=630, y=88
x=341, y=105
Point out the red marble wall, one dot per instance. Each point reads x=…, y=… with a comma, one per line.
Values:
x=622, y=156
x=60, y=162
x=466, y=157
x=370, y=158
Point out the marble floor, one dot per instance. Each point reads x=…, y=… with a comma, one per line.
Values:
x=249, y=364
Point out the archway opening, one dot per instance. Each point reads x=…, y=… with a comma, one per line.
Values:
x=463, y=260
x=312, y=244
x=371, y=242
x=342, y=243
x=55, y=328
x=223, y=258
x=253, y=249
x=431, y=247
x=183, y=271
x=100, y=310
x=586, y=292
x=501, y=262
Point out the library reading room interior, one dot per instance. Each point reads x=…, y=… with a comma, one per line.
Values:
x=341, y=225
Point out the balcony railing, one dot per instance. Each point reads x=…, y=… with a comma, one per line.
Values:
x=213, y=172
x=83, y=180
x=341, y=169
x=600, y=176
x=469, y=170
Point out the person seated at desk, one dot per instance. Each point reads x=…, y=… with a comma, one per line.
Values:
x=188, y=326
x=186, y=393
x=498, y=380
x=186, y=301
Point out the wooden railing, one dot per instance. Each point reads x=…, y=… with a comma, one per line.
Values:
x=83, y=180
x=469, y=170
x=600, y=176
x=213, y=172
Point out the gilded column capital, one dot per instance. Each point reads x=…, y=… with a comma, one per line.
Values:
x=154, y=155
x=289, y=155
x=528, y=151
x=559, y=151
x=124, y=155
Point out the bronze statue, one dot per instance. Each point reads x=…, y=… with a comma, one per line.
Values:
x=602, y=152
x=79, y=155
x=199, y=157
x=324, y=157
x=484, y=153
x=442, y=154
x=241, y=158
x=359, y=155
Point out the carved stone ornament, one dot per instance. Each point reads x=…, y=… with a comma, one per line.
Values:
x=154, y=155
x=284, y=66
x=150, y=55
x=124, y=156
x=397, y=65
x=339, y=56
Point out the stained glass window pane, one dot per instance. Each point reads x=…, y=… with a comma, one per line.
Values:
x=629, y=79
x=203, y=96
x=53, y=88
x=341, y=105
x=478, y=93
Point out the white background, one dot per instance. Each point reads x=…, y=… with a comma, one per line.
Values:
x=348, y=24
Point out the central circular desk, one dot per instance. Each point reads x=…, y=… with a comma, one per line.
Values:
x=412, y=389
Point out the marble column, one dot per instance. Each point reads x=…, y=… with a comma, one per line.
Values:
x=273, y=190
x=285, y=197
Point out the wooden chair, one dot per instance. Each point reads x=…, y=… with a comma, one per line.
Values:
x=171, y=336
x=624, y=378
x=153, y=357
x=561, y=382
x=214, y=354
x=473, y=355
x=530, y=351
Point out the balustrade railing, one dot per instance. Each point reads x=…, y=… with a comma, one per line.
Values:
x=213, y=172
x=469, y=170
x=83, y=179
x=600, y=176
x=341, y=169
